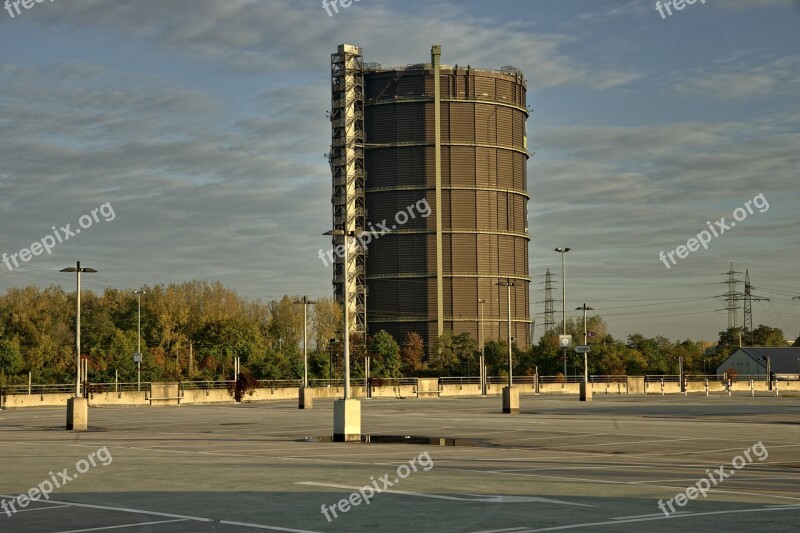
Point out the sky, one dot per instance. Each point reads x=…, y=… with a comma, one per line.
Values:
x=195, y=131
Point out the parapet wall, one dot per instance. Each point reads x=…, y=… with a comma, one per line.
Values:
x=169, y=394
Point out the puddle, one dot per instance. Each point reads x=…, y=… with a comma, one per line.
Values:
x=408, y=439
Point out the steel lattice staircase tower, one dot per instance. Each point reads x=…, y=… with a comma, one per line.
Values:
x=347, y=167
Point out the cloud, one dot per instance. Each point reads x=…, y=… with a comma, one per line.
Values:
x=739, y=80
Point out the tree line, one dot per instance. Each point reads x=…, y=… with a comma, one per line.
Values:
x=195, y=330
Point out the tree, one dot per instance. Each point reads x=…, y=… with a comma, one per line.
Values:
x=413, y=352
x=10, y=357
x=328, y=322
x=387, y=356
x=496, y=358
x=767, y=336
x=442, y=355
x=465, y=349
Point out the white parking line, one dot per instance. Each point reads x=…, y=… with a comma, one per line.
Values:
x=124, y=525
x=661, y=517
x=177, y=517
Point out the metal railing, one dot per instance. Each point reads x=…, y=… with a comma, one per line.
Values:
x=280, y=383
x=456, y=380
x=99, y=388
x=206, y=385
x=607, y=379
x=40, y=389
x=559, y=379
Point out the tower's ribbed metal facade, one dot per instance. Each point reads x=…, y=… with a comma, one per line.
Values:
x=422, y=275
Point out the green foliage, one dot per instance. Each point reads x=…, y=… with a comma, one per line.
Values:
x=10, y=357
x=216, y=325
x=205, y=319
x=413, y=353
x=454, y=354
x=386, y=360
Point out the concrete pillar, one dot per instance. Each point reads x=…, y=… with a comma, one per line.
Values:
x=77, y=414
x=347, y=420
x=306, y=398
x=511, y=400
x=586, y=392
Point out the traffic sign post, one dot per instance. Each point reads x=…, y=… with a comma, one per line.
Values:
x=564, y=341
x=137, y=358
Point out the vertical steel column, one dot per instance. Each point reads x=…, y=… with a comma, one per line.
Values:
x=436, y=53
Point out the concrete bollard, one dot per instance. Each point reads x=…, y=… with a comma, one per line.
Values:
x=706, y=386
x=776, y=388
x=662, y=386
x=752, y=389
x=729, y=388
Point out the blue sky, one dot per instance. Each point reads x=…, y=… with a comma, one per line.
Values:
x=202, y=122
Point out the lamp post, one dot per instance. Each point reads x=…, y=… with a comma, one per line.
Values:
x=306, y=302
x=78, y=269
x=510, y=393
x=139, y=293
x=585, y=392
x=305, y=395
x=483, y=351
x=330, y=361
x=78, y=407
x=508, y=284
x=585, y=367
x=563, y=251
x=347, y=411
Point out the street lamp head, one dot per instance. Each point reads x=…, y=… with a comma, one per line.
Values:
x=139, y=292
x=341, y=233
x=82, y=269
x=563, y=250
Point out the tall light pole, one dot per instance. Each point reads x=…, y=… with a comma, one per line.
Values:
x=330, y=361
x=78, y=407
x=563, y=251
x=78, y=269
x=508, y=284
x=306, y=302
x=483, y=350
x=347, y=411
x=585, y=359
x=510, y=393
x=139, y=293
x=305, y=395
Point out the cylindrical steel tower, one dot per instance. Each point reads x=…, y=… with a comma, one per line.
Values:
x=483, y=236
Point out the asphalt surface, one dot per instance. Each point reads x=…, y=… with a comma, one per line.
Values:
x=559, y=465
